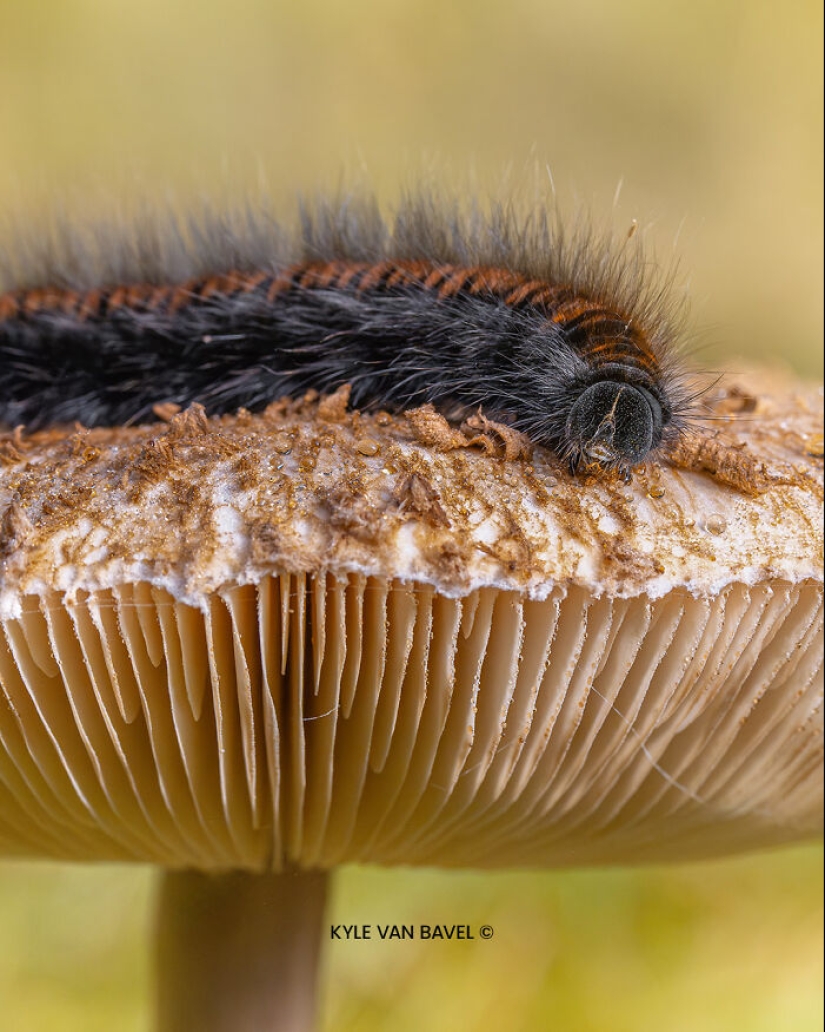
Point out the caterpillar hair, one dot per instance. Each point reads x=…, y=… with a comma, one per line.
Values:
x=562, y=336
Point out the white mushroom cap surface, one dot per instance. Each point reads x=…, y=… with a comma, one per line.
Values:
x=315, y=636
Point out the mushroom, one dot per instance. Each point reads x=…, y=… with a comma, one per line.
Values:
x=251, y=648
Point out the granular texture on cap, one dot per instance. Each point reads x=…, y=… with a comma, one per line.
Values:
x=313, y=486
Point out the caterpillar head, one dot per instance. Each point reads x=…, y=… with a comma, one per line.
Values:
x=613, y=424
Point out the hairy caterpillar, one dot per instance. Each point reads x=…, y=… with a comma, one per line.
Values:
x=562, y=339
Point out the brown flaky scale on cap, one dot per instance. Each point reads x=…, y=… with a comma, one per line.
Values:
x=315, y=635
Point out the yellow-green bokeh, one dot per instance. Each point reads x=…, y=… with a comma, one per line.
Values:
x=710, y=116
x=716, y=946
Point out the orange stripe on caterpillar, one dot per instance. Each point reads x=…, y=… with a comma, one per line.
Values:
x=445, y=280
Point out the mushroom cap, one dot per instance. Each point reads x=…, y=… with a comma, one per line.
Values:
x=313, y=636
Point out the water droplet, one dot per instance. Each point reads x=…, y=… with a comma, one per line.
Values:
x=815, y=446
x=282, y=443
x=368, y=446
x=655, y=491
x=716, y=524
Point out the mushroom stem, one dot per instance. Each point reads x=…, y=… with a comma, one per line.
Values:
x=239, y=951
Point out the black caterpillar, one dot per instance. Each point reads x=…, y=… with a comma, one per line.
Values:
x=573, y=355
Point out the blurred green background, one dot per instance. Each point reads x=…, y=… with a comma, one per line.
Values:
x=709, y=115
